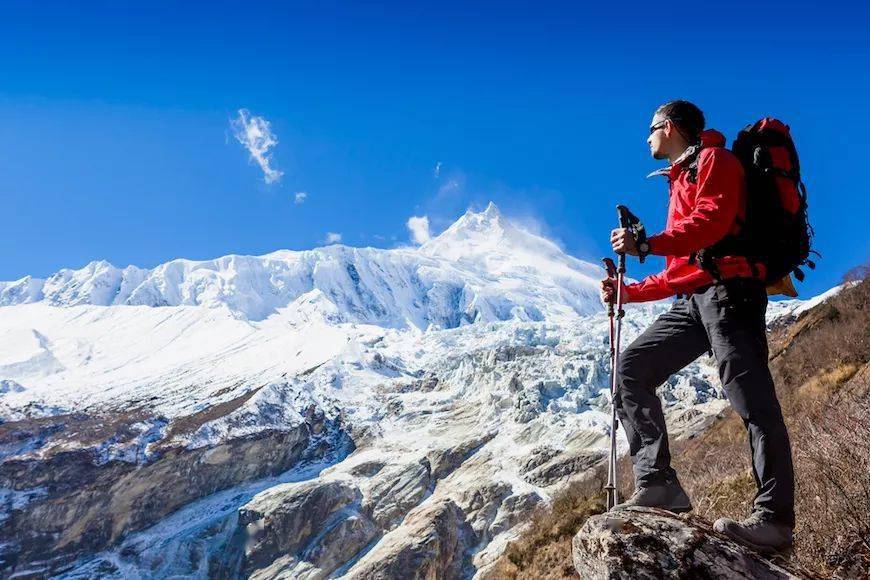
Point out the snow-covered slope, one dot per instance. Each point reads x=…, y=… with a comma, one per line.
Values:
x=785, y=311
x=196, y=327
x=363, y=396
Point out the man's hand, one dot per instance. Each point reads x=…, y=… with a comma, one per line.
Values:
x=608, y=287
x=623, y=242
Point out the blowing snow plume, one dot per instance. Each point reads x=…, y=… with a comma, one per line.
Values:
x=255, y=134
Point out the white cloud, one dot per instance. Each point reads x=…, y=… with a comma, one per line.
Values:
x=437, y=171
x=419, y=228
x=300, y=197
x=333, y=238
x=256, y=135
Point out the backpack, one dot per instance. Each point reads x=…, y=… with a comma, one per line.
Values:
x=776, y=229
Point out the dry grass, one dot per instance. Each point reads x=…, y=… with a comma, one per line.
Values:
x=833, y=488
x=820, y=364
x=546, y=546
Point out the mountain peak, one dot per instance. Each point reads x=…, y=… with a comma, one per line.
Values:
x=491, y=211
x=472, y=226
x=489, y=242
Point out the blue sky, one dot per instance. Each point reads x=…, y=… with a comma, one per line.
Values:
x=116, y=143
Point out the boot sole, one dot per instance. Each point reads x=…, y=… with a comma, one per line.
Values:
x=762, y=549
x=672, y=509
x=680, y=509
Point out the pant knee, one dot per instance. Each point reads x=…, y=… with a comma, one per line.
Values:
x=630, y=370
x=627, y=363
x=762, y=413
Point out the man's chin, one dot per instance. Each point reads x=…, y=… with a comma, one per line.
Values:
x=659, y=155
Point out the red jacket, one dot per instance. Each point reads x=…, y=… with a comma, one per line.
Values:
x=699, y=214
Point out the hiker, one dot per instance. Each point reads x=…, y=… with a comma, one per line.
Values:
x=724, y=314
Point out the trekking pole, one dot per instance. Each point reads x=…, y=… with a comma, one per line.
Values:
x=610, y=488
x=630, y=222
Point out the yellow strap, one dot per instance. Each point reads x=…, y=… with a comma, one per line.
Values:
x=784, y=287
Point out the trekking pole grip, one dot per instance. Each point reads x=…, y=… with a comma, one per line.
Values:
x=626, y=218
x=632, y=223
x=610, y=268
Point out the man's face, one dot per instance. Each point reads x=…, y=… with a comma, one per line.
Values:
x=659, y=138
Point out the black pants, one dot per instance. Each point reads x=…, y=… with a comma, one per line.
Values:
x=728, y=318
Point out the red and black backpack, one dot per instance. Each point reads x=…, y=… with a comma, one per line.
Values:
x=776, y=231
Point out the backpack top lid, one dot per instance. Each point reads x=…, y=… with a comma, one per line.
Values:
x=712, y=138
x=771, y=124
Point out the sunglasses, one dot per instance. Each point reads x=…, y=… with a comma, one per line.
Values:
x=657, y=126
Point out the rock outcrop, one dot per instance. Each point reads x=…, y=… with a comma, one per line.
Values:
x=283, y=519
x=79, y=502
x=432, y=542
x=390, y=494
x=648, y=543
x=86, y=505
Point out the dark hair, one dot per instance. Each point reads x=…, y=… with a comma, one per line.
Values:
x=688, y=118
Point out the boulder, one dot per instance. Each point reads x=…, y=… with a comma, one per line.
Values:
x=648, y=543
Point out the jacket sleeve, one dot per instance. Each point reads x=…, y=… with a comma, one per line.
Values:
x=653, y=287
x=720, y=183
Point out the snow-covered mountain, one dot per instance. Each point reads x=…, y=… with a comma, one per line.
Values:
x=482, y=268
x=337, y=412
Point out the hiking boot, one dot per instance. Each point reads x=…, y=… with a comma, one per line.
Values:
x=668, y=495
x=758, y=533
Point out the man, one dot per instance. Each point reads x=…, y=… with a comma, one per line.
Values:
x=725, y=315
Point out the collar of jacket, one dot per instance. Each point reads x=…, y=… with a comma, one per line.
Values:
x=709, y=138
